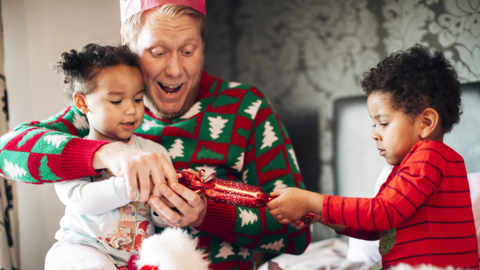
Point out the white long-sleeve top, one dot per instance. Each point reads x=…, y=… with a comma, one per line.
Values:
x=98, y=212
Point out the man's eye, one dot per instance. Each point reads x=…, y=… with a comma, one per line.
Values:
x=115, y=102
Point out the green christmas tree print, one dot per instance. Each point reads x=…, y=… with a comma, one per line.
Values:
x=278, y=163
x=209, y=154
x=224, y=100
x=45, y=172
x=28, y=136
x=243, y=132
x=188, y=125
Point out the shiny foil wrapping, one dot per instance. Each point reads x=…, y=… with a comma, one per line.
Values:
x=229, y=192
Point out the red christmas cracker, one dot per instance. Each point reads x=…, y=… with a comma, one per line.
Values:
x=229, y=192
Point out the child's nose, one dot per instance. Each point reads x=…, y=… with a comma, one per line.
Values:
x=376, y=136
x=130, y=110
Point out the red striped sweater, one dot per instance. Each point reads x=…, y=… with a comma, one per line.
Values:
x=422, y=213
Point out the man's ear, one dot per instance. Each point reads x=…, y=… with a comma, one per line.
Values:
x=430, y=121
x=80, y=102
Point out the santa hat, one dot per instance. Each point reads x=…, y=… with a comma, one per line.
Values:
x=129, y=8
x=143, y=225
x=172, y=249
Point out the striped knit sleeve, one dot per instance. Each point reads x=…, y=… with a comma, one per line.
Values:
x=415, y=180
x=49, y=151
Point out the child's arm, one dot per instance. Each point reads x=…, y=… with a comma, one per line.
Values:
x=93, y=198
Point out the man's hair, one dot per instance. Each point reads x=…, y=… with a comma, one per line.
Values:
x=131, y=26
x=416, y=80
x=80, y=69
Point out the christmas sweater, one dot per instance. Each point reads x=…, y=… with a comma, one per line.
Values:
x=99, y=214
x=231, y=130
x=422, y=213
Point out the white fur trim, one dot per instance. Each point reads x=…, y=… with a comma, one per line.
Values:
x=403, y=266
x=173, y=249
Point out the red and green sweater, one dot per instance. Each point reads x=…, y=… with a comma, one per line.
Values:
x=422, y=213
x=231, y=130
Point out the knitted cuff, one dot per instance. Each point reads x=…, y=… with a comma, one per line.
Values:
x=77, y=157
x=220, y=221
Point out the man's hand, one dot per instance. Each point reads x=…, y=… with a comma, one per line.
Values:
x=191, y=206
x=138, y=167
x=293, y=203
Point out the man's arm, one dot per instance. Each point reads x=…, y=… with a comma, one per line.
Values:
x=53, y=151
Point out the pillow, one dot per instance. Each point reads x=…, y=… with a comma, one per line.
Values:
x=362, y=250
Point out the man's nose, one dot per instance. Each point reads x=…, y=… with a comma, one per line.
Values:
x=174, y=66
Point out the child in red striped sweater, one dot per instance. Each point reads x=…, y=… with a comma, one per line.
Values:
x=422, y=213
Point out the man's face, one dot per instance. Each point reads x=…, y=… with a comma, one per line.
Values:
x=171, y=60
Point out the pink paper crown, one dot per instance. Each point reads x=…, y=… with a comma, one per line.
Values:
x=129, y=8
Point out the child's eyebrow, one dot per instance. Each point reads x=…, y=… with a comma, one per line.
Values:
x=377, y=116
x=115, y=93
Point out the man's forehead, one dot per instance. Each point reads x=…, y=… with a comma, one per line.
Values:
x=157, y=21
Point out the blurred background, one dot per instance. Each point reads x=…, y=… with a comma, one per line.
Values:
x=305, y=55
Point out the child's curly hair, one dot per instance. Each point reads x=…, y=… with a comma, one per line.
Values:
x=416, y=79
x=79, y=70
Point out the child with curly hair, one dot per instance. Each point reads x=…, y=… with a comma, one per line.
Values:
x=422, y=213
x=102, y=227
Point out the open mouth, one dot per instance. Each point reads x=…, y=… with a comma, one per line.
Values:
x=170, y=89
x=128, y=124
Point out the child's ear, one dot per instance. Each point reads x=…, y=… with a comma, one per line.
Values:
x=80, y=102
x=430, y=120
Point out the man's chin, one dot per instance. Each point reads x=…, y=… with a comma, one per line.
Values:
x=164, y=114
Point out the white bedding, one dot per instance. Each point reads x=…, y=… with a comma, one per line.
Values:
x=322, y=255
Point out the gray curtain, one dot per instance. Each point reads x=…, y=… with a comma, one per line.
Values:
x=9, y=252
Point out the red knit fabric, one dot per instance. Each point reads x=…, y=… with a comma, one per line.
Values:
x=427, y=200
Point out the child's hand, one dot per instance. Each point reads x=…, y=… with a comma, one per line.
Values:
x=299, y=224
x=290, y=205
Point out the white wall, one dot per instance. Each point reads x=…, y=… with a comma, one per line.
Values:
x=36, y=32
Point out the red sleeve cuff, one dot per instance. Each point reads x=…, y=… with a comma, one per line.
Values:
x=77, y=157
x=220, y=221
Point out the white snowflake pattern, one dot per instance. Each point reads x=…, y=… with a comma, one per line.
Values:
x=253, y=109
x=13, y=170
x=248, y=217
x=55, y=139
x=277, y=245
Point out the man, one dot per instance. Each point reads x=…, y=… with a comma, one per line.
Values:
x=204, y=122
